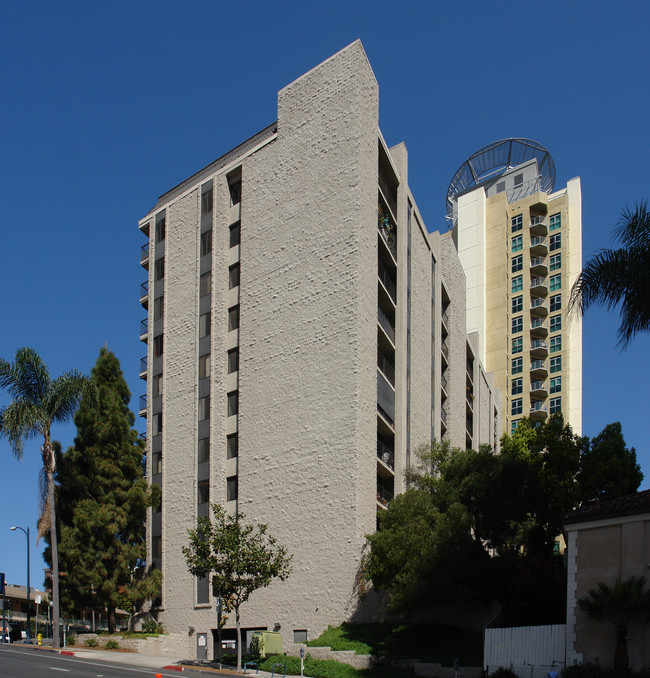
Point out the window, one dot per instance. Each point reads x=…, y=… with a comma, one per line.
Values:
x=158, y=308
x=206, y=243
x=555, y=221
x=204, y=449
x=513, y=425
x=204, y=408
x=160, y=230
x=204, y=366
x=517, y=366
x=233, y=360
x=555, y=242
x=159, y=269
x=556, y=405
x=556, y=384
x=556, y=323
x=231, y=488
x=518, y=243
x=158, y=346
x=203, y=491
x=556, y=364
x=233, y=276
x=501, y=187
x=233, y=318
x=156, y=463
x=556, y=343
x=517, y=386
x=235, y=235
x=556, y=261
x=233, y=403
x=517, y=223
x=556, y=282
x=517, y=324
x=156, y=424
x=157, y=385
x=232, y=446
x=206, y=202
x=517, y=345
x=204, y=324
x=519, y=179
x=300, y=636
x=517, y=304
x=235, y=191
x=517, y=406
x=517, y=283
x=205, y=283
x=156, y=547
x=556, y=302
x=517, y=263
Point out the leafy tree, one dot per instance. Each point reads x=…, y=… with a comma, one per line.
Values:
x=38, y=402
x=102, y=500
x=620, y=276
x=608, y=469
x=622, y=605
x=240, y=557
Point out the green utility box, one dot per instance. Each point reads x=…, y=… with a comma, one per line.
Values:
x=268, y=642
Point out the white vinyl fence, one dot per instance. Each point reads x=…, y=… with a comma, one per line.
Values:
x=532, y=651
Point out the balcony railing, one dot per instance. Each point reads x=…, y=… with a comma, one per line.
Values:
x=384, y=496
x=538, y=282
x=384, y=365
x=144, y=289
x=443, y=415
x=388, y=194
x=537, y=343
x=390, y=286
x=537, y=261
x=445, y=319
x=537, y=365
x=386, y=454
x=144, y=253
x=538, y=406
x=143, y=402
x=445, y=349
x=143, y=364
x=443, y=382
x=536, y=323
x=388, y=236
x=537, y=386
x=383, y=320
x=538, y=241
x=144, y=326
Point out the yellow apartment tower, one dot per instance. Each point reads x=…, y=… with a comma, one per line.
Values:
x=519, y=242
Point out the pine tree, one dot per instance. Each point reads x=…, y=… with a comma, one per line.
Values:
x=103, y=498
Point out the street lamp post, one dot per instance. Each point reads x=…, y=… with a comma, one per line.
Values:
x=29, y=630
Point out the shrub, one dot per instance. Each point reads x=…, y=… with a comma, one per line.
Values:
x=503, y=672
x=151, y=626
x=71, y=639
x=111, y=644
x=588, y=670
x=91, y=642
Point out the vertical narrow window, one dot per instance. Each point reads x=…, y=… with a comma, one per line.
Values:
x=556, y=282
x=556, y=302
x=158, y=346
x=204, y=449
x=517, y=406
x=205, y=283
x=232, y=446
x=206, y=243
x=556, y=384
x=156, y=463
x=517, y=345
x=517, y=366
x=233, y=318
x=233, y=276
x=204, y=408
x=556, y=405
x=556, y=364
x=518, y=243
x=206, y=202
x=517, y=304
x=517, y=263
x=517, y=283
x=233, y=403
x=556, y=343
x=160, y=230
x=157, y=385
x=517, y=223
x=156, y=547
x=555, y=221
x=159, y=269
x=159, y=308
x=235, y=236
x=235, y=191
x=203, y=491
x=555, y=242
x=556, y=261
x=157, y=424
x=233, y=360
x=204, y=324
x=556, y=323
x=517, y=324
x=204, y=366
x=517, y=386
x=231, y=488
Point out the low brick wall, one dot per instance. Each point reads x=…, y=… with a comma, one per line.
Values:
x=177, y=645
x=359, y=661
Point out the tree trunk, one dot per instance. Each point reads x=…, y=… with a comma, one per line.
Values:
x=111, y=619
x=49, y=453
x=621, y=658
x=238, y=638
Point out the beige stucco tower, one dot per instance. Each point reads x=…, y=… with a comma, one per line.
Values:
x=519, y=241
x=305, y=333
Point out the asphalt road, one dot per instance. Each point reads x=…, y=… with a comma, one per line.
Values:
x=20, y=662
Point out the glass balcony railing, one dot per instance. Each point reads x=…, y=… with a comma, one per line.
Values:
x=143, y=402
x=144, y=326
x=390, y=286
x=144, y=289
x=386, y=324
x=384, y=365
x=144, y=253
x=143, y=364
x=384, y=496
x=385, y=453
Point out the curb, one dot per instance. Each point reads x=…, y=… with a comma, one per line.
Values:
x=172, y=667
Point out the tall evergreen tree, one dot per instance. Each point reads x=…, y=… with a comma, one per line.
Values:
x=103, y=498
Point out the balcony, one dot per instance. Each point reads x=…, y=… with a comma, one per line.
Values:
x=537, y=308
x=538, y=389
x=538, y=328
x=387, y=229
x=388, y=283
x=443, y=417
x=538, y=287
x=386, y=456
x=538, y=369
x=144, y=256
x=538, y=348
x=386, y=325
x=384, y=496
x=144, y=294
x=443, y=386
x=386, y=368
x=143, y=405
x=538, y=246
x=143, y=368
x=538, y=225
x=144, y=329
x=445, y=319
x=385, y=399
x=445, y=351
x=387, y=194
x=538, y=266
x=538, y=410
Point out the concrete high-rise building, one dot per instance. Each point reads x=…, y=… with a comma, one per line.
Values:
x=305, y=334
x=519, y=241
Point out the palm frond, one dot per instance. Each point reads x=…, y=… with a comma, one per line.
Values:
x=20, y=421
x=64, y=395
x=633, y=228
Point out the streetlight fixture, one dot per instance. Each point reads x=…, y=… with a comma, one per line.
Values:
x=29, y=630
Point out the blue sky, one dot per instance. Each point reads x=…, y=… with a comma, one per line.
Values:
x=104, y=106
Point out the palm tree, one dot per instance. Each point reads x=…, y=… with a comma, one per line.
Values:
x=623, y=605
x=37, y=403
x=620, y=275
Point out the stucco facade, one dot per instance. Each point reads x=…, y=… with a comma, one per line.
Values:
x=297, y=350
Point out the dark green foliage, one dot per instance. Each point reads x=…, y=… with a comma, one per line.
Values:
x=112, y=644
x=621, y=276
x=608, y=469
x=503, y=672
x=102, y=500
x=91, y=642
x=428, y=642
x=588, y=670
